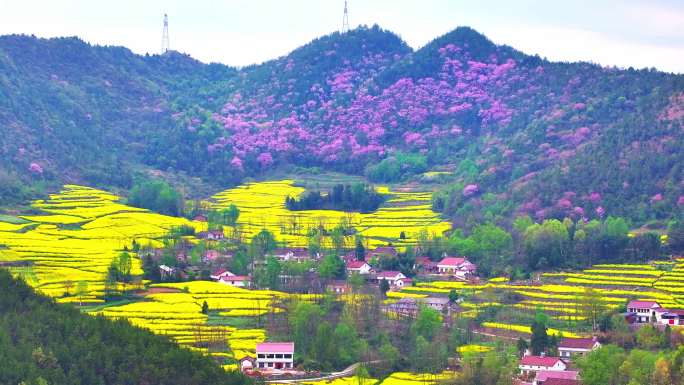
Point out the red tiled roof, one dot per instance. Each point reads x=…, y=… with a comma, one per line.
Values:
x=388, y=274
x=219, y=272
x=275, y=347
x=544, y=375
x=561, y=381
x=539, y=361
x=642, y=304
x=235, y=278
x=577, y=343
x=355, y=264
x=452, y=261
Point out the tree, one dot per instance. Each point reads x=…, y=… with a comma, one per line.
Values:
x=601, y=366
x=263, y=243
x=359, y=249
x=453, y=295
x=521, y=345
x=124, y=266
x=540, y=339
x=428, y=322
x=649, y=337
x=205, y=307
x=331, y=267
x=384, y=287
x=389, y=355
x=593, y=306
x=662, y=373
x=156, y=195
x=81, y=291
x=638, y=367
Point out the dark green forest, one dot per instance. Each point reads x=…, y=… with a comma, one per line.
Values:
x=45, y=343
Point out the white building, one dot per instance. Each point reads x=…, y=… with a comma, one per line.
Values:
x=394, y=278
x=358, y=267
x=236, y=280
x=457, y=267
x=275, y=356
x=532, y=364
x=643, y=310
x=569, y=347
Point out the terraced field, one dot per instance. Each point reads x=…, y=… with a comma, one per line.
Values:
x=75, y=239
x=564, y=295
x=262, y=205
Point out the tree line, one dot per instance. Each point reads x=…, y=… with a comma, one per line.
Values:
x=356, y=197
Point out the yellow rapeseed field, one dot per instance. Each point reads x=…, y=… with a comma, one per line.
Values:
x=262, y=206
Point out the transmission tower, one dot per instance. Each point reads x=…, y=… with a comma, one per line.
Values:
x=345, y=19
x=165, y=36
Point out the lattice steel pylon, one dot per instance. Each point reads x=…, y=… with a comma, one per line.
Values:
x=345, y=19
x=166, y=46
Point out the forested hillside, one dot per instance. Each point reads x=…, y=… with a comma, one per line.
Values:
x=45, y=343
x=518, y=133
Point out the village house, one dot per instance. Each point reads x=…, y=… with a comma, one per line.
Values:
x=425, y=265
x=200, y=218
x=394, y=278
x=569, y=347
x=409, y=306
x=166, y=272
x=670, y=317
x=643, y=311
x=220, y=273
x=236, y=280
x=210, y=255
x=297, y=254
x=550, y=377
x=338, y=287
x=530, y=365
x=211, y=235
x=247, y=363
x=381, y=251
x=456, y=267
x=358, y=267
x=275, y=355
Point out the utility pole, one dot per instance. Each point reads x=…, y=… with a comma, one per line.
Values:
x=165, y=36
x=345, y=19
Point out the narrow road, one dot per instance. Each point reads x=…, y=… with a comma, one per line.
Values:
x=349, y=371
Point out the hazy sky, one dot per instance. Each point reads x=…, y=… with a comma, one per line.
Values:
x=240, y=32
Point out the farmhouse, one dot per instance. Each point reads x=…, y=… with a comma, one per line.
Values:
x=221, y=273
x=643, y=310
x=338, y=287
x=550, y=377
x=532, y=364
x=394, y=278
x=569, y=347
x=425, y=265
x=410, y=306
x=298, y=254
x=275, y=355
x=236, y=280
x=358, y=267
x=166, y=271
x=457, y=267
x=211, y=235
x=383, y=251
x=200, y=218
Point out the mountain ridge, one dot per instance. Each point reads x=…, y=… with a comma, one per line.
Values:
x=360, y=102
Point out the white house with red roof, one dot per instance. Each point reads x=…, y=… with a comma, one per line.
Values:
x=459, y=267
x=275, y=356
x=394, y=278
x=670, y=317
x=220, y=273
x=297, y=254
x=236, y=280
x=358, y=267
x=643, y=310
x=569, y=347
x=532, y=364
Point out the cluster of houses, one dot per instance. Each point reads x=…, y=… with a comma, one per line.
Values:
x=448, y=268
x=544, y=370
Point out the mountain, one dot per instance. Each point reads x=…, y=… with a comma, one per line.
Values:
x=523, y=134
